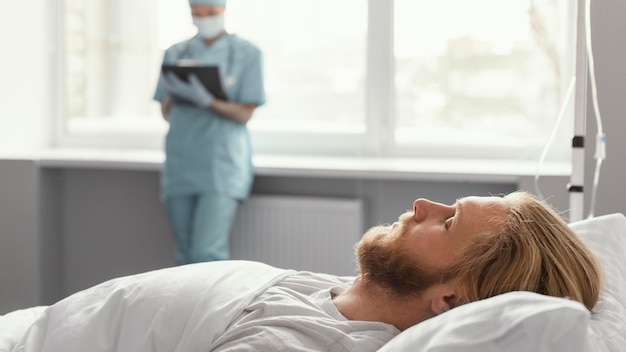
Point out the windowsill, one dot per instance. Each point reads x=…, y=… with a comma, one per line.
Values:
x=464, y=170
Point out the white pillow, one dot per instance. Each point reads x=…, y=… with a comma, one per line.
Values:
x=524, y=321
x=512, y=322
x=606, y=236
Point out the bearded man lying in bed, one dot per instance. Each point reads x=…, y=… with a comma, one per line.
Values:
x=434, y=258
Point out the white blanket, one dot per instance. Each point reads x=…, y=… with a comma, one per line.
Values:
x=175, y=309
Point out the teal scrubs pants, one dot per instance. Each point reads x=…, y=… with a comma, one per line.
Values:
x=201, y=224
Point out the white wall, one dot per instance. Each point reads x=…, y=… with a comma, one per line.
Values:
x=25, y=104
x=25, y=72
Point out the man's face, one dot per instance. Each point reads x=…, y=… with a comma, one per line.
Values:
x=425, y=242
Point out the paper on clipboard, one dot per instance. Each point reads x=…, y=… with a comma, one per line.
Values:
x=208, y=75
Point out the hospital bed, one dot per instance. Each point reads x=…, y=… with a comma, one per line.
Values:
x=516, y=321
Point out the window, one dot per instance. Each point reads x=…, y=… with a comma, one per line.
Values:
x=485, y=74
x=352, y=77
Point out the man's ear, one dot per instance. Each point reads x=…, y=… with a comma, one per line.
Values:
x=442, y=303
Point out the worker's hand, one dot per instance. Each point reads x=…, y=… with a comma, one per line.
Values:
x=192, y=91
x=166, y=106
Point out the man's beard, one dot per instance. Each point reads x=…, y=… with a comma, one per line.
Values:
x=385, y=260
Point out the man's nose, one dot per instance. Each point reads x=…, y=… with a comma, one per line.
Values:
x=423, y=207
x=420, y=209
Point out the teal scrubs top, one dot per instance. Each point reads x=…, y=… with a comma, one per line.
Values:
x=204, y=152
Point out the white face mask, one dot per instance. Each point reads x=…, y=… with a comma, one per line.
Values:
x=209, y=26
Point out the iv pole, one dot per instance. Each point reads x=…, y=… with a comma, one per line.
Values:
x=577, y=179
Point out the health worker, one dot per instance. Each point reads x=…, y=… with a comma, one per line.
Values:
x=208, y=168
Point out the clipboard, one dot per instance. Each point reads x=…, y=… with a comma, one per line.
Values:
x=208, y=75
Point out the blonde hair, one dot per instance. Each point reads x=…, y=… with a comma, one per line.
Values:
x=536, y=251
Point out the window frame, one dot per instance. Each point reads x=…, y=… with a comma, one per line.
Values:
x=375, y=141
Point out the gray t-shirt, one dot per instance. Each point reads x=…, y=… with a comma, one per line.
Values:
x=297, y=314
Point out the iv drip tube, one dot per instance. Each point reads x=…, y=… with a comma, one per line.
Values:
x=600, y=154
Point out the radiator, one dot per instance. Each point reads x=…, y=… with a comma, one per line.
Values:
x=302, y=233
